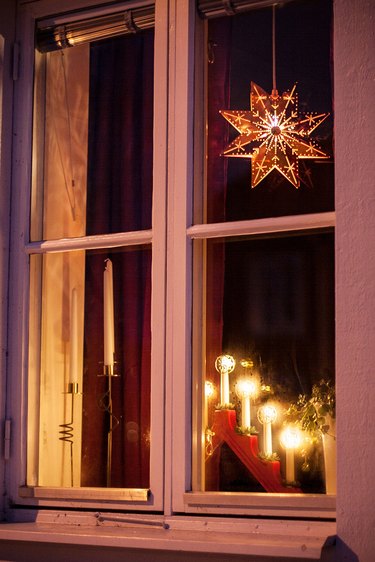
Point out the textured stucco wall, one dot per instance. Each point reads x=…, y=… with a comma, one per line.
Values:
x=354, y=51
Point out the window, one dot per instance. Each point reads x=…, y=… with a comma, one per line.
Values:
x=264, y=262
x=93, y=241
x=150, y=256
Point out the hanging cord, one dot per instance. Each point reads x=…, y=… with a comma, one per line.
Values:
x=274, y=89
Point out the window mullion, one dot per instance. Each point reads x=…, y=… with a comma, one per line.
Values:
x=179, y=248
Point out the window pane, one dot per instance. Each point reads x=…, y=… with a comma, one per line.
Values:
x=90, y=345
x=93, y=139
x=269, y=363
x=240, y=54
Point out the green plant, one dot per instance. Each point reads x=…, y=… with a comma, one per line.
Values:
x=246, y=430
x=269, y=457
x=228, y=406
x=314, y=414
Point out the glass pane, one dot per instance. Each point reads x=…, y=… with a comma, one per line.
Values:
x=268, y=391
x=93, y=139
x=90, y=346
x=281, y=159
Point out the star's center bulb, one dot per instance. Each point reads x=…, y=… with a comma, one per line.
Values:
x=275, y=130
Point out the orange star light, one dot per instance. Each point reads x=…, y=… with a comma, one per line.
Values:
x=273, y=135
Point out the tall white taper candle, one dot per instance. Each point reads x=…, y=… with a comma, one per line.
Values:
x=109, y=328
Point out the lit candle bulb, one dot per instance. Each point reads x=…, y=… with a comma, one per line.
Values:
x=109, y=329
x=267, y=415
x=245, y=390
x=224, y=364
x=290, y=439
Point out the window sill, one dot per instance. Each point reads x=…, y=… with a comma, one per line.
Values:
x=292, y=539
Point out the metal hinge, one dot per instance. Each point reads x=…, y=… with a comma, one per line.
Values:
x=7, y=433
x=16, y=61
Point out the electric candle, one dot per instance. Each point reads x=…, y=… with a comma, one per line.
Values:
x=73, y=363
x=245, y=390
x=290, y=440
x=267, y=415
x=224, y=364
x=109, y=329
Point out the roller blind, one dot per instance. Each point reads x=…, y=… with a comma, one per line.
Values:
x=55, y=37
x=215, y=8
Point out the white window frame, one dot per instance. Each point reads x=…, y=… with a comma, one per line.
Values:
x=175, y=484
x=187, y=497
x=21, y=249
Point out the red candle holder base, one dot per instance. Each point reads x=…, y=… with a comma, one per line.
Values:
x=245, y=447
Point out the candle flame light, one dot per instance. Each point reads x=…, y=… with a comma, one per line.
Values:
x=267, y=414
x=209, y=389
x=225, y=363
x=246, y=388
x=291, y=437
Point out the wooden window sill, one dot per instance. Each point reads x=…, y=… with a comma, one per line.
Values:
x=292, y=539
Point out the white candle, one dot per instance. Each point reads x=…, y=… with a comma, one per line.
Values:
x=73, y=363
x=267, y=415
x=109, y=328
x=245, y=411
x=245, y=390
x=224, y=387
x=290, y=440
x=289, y=471
x=267, y=438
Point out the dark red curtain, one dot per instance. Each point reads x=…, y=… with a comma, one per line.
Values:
x=218, y=98
x=119, y=198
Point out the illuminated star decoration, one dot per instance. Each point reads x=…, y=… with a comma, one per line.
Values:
x=273, y=135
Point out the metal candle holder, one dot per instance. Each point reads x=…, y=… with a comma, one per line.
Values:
x=105, y=403
x=67, y=429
